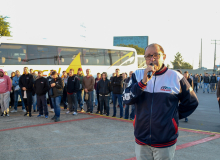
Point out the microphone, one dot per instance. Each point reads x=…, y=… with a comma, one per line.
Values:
x=149, y=74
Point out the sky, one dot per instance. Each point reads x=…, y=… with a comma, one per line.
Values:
x=178, y=26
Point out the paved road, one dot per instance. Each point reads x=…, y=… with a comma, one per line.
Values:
x=207, y=116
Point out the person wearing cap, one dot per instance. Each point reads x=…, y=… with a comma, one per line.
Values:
x=56, y=86
x=80, y=93
x=49, y=78
x=41, y=87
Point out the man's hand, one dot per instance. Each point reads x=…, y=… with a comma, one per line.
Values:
x=86, y=90
x=218, y=98
x=24, y=88
x=148, y=69
x=52, y=84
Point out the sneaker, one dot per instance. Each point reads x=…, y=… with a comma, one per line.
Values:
x=13, y=111
x=82, y=110
x=186, y=119
x=74, y=113
x=30, y=115
x=91, y=112
x=101, y=113
x=67, y=112
x=87, y=111
x=26, y=114
x=40, y=115
x=53, y=118
x=7, y=114
x=57, y=119
x=97, y=112
x=24, y=110
x=52, y=110
x=2, y=115
x=46, y=117
x=113, y=116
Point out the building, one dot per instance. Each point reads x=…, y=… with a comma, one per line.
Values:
x=141, y=41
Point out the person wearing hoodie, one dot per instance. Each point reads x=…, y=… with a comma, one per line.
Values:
x=26, y=83
x=41, y=87
x=17, y=91
x=5, y=88
x=73, y=86
x=104, y=90
x=56, y=91
x=80, y=93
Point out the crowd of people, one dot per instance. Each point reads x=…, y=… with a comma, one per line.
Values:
x=74, y=90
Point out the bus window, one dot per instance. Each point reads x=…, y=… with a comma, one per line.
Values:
x=13, y=54
x=93, y=57
x=115, y=57
x=107, y=57
x=42, y=55
x=67, y=55
x=127, y=58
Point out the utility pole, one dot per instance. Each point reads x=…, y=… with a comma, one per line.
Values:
x=214, y=52
x=201, y=55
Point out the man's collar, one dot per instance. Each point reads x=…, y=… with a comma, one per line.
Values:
x=162, y=70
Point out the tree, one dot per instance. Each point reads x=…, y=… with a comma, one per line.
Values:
x=4, y=27
x=178, y=62
x=139, y=50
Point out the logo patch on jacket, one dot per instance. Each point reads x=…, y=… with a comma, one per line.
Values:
x=164, y=88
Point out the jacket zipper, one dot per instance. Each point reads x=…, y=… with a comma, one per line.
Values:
x=151, y=108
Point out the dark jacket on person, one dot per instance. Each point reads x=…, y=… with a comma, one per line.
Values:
x=201, y=78
x=41, y=86
x=117, y=85
x=218, y=90
x=58, y=88
x=159, y=104
x=49, y=78
x=104, y=87
x=190, y=81
x=213, y=79
x=195, y=79
x=206, y=79
x=26, y=80
x=73, y=84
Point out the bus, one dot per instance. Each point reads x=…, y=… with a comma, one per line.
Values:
x=15, y=55
x=141, y=61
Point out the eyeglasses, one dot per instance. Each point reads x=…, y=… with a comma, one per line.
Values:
x=155, y=56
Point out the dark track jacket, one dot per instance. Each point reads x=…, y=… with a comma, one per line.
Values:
x=167, y=98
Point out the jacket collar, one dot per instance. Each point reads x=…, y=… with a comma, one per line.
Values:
x=162, y=70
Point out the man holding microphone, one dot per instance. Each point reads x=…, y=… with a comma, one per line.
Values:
x=161, y=97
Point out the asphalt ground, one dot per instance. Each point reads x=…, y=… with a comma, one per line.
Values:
x=91, y=136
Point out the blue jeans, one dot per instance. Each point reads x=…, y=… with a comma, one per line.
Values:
x=16, y=93
x=56, y=104
x=80, y=95
x=34, y=102
x=206, y=85
x=127, y=111
x=104, y=100
x=119, y=97
x=89, y=102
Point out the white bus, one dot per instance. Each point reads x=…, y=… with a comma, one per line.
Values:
x=141, y=61
x=15, y=55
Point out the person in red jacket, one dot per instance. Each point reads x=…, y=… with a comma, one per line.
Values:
x=5, y=88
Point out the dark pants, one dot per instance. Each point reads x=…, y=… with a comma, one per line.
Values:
x=42, y=104
x=51, y=104
x=80, y=99
x=127, y=111
x=104, y=100
x=56, y=103
x=12, y=98
x=65, y=98
x=72, y=102
x=119, y=97
x=89, y=102
x=195, y=85
x=98, y=108
x=28, y=101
